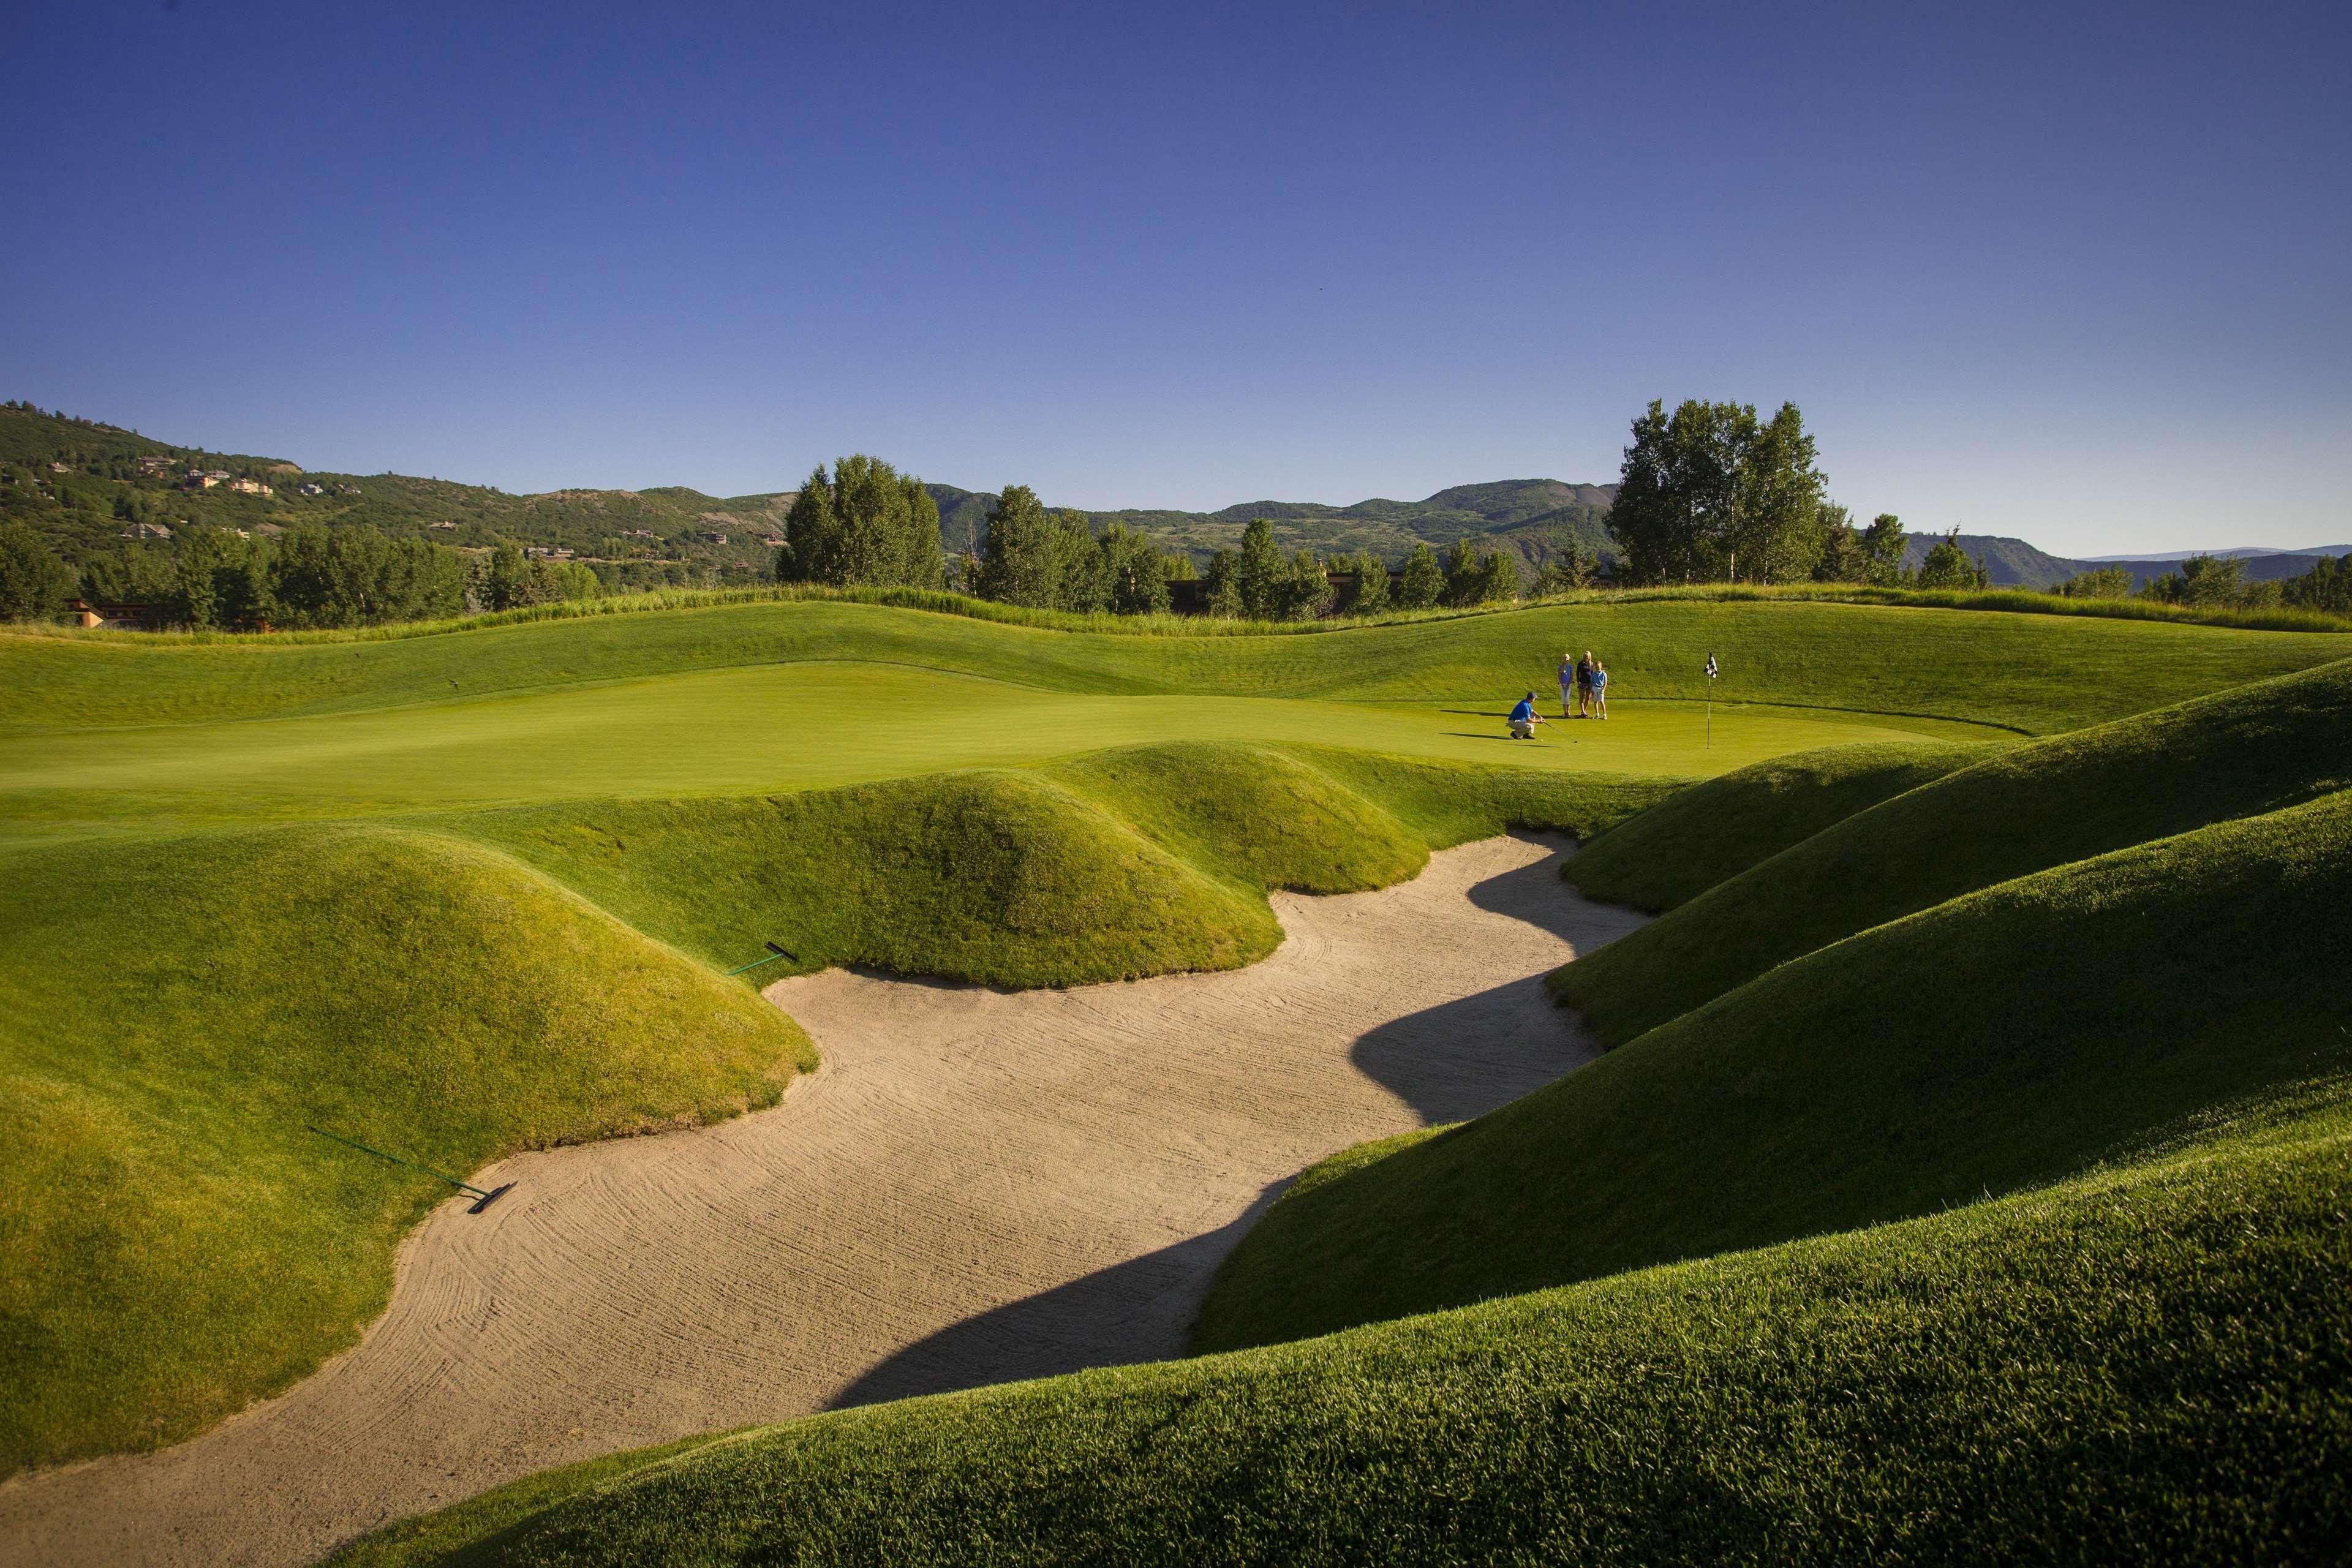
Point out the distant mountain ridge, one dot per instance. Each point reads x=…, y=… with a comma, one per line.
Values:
x=69, y=473
x=1530, y=518
x=2244, y=553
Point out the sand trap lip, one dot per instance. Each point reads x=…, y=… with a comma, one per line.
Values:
x=977, y=1185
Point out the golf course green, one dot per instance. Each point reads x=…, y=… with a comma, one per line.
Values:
x=1975, y=1121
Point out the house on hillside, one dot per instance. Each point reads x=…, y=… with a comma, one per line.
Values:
x=712, y=536
x=251, y=487
x=444, y=522
x=123, y=617
x=146, y=530
x=312, y=490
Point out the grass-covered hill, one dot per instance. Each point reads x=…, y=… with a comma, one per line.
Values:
x=1718, y=829
x=179, y=1007
x=2033, y=674
x=2233, y=753
x=2146, y=1363
x=2009, y=1037
x=283, y=880
x=174, y=1015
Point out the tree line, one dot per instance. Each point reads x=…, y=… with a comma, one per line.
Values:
x=2220, y=581
x=866, y=524
x=313, y=577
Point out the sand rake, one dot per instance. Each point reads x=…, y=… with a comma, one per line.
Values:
x=774, y=953
x=484, y=1200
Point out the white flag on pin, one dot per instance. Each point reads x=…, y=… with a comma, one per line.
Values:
x=1710, y=666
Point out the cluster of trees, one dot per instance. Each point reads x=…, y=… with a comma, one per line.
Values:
x=1711, y=492
x=867, y=526
x=1714, y=492
x=1254, y=582
x=33, y=581
x=307, y=577
x=1946, y=565
x=1055, y=560
x=2327, y=587
x=2220, y=581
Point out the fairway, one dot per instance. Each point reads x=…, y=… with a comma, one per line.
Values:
x=480, y=894
x=800, y=726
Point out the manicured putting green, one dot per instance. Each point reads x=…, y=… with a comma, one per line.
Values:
x=785, y=727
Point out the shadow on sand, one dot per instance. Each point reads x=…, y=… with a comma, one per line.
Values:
x=1449, y=1062
x=1138, y=1311
x=1462, y=1058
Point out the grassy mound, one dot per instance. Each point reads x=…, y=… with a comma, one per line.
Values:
x=2028, y=807
x=173, y=1242
x=2147, y=1363
x=1918, y=1065
x=999, y=877
x=1253, y=815
x=1144, y=860
x=2035, y=673
x=437, y=989
x=1717, y=829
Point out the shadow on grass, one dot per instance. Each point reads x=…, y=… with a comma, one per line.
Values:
x=1138, y=1311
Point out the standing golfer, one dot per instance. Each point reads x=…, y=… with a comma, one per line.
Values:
x=1567, y=681
x=1524, y=719
x=1584, y=684
x=1599, y=690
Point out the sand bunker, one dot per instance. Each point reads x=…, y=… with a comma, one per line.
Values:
x=976, y=1187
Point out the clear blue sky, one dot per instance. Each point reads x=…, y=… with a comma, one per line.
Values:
x=2078, y=274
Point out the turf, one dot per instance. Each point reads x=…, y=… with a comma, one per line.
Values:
x=2032, y=673
x=173, y=1243
x=1138, y=861
x=438, y=988
x=1999, y=1039
x=449, y=892
x=2151, y=1363
x=2028, y=807
x=1717, y=829
x=773, y=729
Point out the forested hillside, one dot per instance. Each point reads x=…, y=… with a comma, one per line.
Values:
x=81, y=484
x=94, y=490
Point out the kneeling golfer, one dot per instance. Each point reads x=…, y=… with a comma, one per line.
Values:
x=1524, y=719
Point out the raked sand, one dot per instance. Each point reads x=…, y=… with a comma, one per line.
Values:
x=976, y=1187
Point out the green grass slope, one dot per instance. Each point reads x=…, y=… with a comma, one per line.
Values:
x=2149, y=1363
x=1140, y=860
x=1717, y=829
x=995, y=876
x=173, y=1243
x=2034, y=673
x=177, y=1008
x=2003, y=1038
x=2028, y=807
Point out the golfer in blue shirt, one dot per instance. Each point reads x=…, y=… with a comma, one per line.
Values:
x=1524, y=719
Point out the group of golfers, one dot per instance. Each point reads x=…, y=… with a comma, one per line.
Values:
x=1583, y=694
